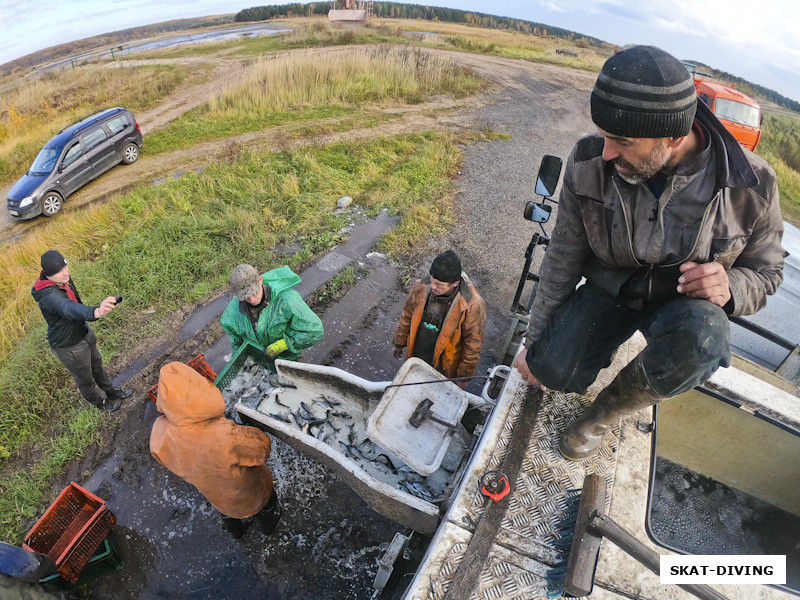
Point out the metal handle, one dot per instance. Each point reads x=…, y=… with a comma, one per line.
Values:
x=498, y=369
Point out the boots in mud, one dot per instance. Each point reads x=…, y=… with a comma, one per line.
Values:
x=270, y=515
x=628, y=392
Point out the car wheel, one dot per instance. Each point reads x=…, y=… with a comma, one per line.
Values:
x=130, y=154
x=51, y=203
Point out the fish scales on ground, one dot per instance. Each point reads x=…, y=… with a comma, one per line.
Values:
x=260, y=389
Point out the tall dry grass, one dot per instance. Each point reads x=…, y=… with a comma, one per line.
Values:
x=513, y=44
x=352, y=76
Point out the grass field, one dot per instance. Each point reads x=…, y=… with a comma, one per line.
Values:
x=305, y=86
x=780, y=146
x=168, y=245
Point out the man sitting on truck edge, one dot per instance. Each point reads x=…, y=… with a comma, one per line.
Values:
x=674, y=226
x=443, y=320
x=269, y=313
x=70, y=337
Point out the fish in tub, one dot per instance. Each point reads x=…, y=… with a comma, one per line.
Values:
x=400, y=447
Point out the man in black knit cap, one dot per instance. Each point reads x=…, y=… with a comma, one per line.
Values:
x=443, y=320
x=673, y=225
x=70, y=337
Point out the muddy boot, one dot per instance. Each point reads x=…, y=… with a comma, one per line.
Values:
x=119, y=394
x=628, y=392
x=109, y=406
x=236, y=527
x=270, y=515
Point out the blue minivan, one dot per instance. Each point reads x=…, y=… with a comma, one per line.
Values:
x=74, y=157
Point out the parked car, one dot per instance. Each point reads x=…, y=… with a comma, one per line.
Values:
x=74, y=157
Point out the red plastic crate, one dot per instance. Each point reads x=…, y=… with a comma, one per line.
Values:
x=71, y=529
x=199, y=364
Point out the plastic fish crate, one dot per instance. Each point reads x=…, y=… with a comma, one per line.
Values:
x=103, y=560
x=234, y=366
x=71, y=529
x=199, y=364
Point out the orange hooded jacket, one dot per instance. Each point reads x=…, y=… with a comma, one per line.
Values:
x=194, y=440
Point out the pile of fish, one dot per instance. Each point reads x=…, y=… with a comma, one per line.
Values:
x=340, y=423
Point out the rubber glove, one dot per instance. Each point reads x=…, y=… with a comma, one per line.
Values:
x=397, y=351
x=275, y=348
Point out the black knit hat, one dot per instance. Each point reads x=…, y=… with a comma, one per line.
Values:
x=52, y=263
x=446, y=267
x=643, y=92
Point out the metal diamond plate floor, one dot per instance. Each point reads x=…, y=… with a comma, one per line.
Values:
x=525, y=551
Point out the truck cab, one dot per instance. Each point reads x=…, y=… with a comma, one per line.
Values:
x=740, y=114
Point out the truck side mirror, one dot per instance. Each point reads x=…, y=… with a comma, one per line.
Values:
x=549, y=172
x=537, y=212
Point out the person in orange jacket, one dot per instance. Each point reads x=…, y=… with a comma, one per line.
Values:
x=223, y=460
x=443, y=320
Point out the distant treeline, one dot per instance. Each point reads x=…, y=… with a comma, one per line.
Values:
x=396, y=10
x=753, y=89
x=61, y=51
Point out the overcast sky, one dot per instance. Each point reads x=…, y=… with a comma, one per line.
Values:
x=756, y=40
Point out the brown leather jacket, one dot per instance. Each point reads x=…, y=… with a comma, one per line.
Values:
x=193, y=439
x=458, y=347
x=738, y=224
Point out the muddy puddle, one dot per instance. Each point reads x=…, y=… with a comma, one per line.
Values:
x=326, y=546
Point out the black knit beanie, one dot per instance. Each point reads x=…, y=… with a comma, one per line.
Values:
x=446, y=267
x=643, y=92
x=52, y=263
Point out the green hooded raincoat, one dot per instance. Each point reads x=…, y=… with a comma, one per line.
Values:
x=286, y=316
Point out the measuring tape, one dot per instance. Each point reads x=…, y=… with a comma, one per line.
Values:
x=494, y=485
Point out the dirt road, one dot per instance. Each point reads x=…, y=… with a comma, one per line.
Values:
x=329, y=541
x=503, y=73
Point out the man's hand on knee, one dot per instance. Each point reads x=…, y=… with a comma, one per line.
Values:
x=706, y=280
x=521, y=365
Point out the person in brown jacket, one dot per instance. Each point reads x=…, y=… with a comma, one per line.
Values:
x=443, y=320
x=223, y=460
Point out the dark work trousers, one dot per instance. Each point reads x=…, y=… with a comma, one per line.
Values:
x=688, y=339
x=84, y=363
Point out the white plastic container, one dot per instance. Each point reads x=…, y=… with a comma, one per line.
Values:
x=422, y=448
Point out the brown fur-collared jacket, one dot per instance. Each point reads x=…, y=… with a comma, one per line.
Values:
x=458, y=347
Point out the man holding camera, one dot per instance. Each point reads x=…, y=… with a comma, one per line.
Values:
x=673, y=225
x=70, y=337
x=443, y=320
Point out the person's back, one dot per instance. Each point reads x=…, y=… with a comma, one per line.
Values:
x=193, y=439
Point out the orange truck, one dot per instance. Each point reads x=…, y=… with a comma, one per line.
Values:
x=740, y=114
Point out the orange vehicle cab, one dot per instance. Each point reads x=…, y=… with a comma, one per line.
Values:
x=740, y=114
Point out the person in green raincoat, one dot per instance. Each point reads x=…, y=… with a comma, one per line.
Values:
x=269, y=313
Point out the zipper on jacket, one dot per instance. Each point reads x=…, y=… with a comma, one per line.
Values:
x=696, y=239
x=627, y=227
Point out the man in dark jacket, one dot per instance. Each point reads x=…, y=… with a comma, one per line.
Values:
x=70, y=337
x=443, y=320
x=673, y=225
